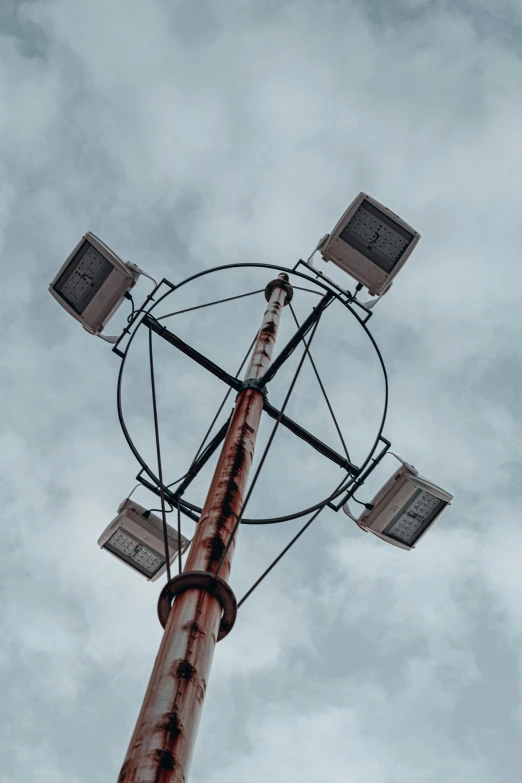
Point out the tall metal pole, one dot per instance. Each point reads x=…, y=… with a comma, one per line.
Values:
x=162, y=744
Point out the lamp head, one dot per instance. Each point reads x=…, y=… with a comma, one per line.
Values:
x=135, y=536
x=92, y=283
x=370, y=243
x=404, y=509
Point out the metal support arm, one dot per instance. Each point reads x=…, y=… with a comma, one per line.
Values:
x=202, y=460
x=185, y=348
x=198, y=464
x=317, y=444
x=294, y=341
x=236, y=384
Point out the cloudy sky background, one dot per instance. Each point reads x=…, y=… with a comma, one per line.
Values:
x=194, y=134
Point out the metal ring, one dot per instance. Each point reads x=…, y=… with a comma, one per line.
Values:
x=278, y=283
x=320, y=284
x=200, y=580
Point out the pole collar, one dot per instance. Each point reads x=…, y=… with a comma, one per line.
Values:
x=209, y=583
x=282, y=281
x=254, y=383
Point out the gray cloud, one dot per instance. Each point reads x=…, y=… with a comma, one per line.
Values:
x=191, y=135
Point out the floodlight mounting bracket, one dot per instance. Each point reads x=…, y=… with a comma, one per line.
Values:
x=149, y=301
x=350, y=298
x=363, y=475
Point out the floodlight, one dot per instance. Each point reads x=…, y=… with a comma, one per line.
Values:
x=92, y=283
x=371, y=243
x=403, y=510
x=137, y=540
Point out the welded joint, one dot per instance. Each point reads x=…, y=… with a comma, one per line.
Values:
x=209, y=583
x=256, y=384
x=280, y=282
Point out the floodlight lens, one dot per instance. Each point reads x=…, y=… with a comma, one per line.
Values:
x=411, y=522
x=126, y=546
x=83, y=278
x=376, y=236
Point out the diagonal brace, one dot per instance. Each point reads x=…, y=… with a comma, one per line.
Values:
x=202, y=460
x=236, y=384
x=198, y=464
x=185, y=348
x=169, y=497
x=294, y=341
x=317, y=444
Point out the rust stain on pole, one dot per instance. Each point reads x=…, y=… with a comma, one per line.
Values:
x=162, y=744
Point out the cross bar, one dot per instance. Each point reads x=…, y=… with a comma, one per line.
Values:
x=187, y=349
x=202, y=460
x=317, y=444
x=236, y=384
x=298, y=336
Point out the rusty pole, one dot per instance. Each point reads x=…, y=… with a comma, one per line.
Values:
x=162, y=744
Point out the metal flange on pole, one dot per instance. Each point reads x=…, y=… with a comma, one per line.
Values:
x=202, y=580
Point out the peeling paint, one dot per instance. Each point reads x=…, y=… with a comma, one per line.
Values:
x=165, y=759
x=193, y=628
x=184, y=670
x=172, y=725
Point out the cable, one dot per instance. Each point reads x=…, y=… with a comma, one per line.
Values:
x=159, y=510
x=284, y=551
x=179, y=535
x=177, y=481
x=139, y=484
x=150, y=511
x=265, y=453
x=135, y=313
x=209, y=430
x=322, y=388
x=310, y=290
x=279, y=557
x=128, y=296
x=366, y=505
x=158, y=452
x=209, y=304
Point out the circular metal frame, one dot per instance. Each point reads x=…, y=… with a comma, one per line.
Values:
x=345, y=485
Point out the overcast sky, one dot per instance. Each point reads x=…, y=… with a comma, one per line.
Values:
x=193, y=134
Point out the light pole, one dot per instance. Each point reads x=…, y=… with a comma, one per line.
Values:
x=371, y=244
x=163, y=741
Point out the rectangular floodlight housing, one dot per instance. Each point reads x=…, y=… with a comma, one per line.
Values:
x=138, y=541
x=370, y=243
x=92, y=282
x=405, y=508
